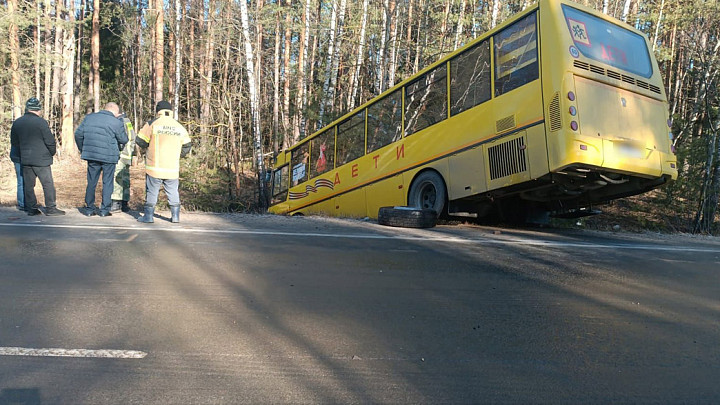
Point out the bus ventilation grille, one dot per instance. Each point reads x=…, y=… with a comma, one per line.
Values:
x=505, y=124
x=555, y=118
x=507, y=158
x=617, y=76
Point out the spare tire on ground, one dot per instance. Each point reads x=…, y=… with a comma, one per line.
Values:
x=407, y=217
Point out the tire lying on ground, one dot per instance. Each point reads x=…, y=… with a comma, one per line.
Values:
x=407, y=217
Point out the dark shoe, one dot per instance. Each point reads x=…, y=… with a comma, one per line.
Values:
x=115, y=206
x=53, y=212
x=34, y=211
x=105, y=214
x=125, y=207
x=175, y=214
x=21, y=208
x=88, y=211
x=148, y=214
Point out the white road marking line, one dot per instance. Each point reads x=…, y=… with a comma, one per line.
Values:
x=425, y=237
x=78, y=353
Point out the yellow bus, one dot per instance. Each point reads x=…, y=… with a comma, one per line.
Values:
x=558, y=109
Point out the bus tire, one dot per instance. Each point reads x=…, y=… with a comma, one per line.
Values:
x=407, y=217
x=428, y=192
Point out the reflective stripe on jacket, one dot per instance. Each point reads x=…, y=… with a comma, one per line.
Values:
x=127, y=153
x=165, y=138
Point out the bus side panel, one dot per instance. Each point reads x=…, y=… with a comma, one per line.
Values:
x=351, y=204
x=389, y=192
x=326, y=207
x=537, y=151
x=468, y=174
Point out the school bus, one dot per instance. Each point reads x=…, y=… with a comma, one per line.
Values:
x=557, y=110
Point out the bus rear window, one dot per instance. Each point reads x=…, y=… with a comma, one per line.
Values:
x=608, y=43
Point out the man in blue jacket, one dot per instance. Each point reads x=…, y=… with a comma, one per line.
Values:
x=100, y=137
x=35, y=146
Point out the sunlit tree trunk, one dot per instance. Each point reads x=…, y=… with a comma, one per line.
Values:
x=95, y=57
x=254, y=105
x=14, y=61
x=355, y=78
x=286, y=72
x=159, y=49
x=460, y=24
x=68, y=88
x=178, y=58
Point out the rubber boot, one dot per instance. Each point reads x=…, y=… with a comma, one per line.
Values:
x=148, y=214
x=174, y=214
x=115, y=206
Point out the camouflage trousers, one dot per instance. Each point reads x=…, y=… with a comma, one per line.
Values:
x=121, y=186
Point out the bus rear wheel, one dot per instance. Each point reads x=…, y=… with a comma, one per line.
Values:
x=428, y=192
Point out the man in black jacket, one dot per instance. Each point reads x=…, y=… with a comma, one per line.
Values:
x=100, y=137
x=31, y=135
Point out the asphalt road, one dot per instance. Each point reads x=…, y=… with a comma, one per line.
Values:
x=263, y=309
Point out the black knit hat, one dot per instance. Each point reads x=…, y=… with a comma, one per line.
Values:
x=163, y=105
x=33, y=104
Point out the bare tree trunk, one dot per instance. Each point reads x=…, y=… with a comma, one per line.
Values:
x=392, y=66
x=68, y=88
x=657, y=26
x=38, y=38
x=495, y=12
x=626, y=10
x=301, y=120
x=286, y=70
x=380, y=75
x=461, y=20
x=207, y=73
x=77, y=103
x=355, y=78
x=422, y=22
x=14, y=61
x=332, y=61
x=51, y=110
x=191, y=62
x=605, y=7
x=276, y=78
x=159, y=49
x=95, y=57
x=254, y=106
x=178, y=57
x=48, y=54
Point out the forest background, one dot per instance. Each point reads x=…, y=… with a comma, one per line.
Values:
x=248, y=78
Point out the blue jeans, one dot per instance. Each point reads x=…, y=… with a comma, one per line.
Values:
x=152, y=189
x=93, y=174
x=20, y=188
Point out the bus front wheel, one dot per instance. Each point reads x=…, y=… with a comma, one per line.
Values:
x=428, y=192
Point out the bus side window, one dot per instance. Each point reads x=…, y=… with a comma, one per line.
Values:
x=384, y=121
x=470, y=78
x=299, y=161
x=351, y=138
x=323, y=153
x=280, y=183
x=516, y=56
x=426, y=100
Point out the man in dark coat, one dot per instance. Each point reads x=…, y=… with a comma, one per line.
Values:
x=30, y=135
x=100, y=137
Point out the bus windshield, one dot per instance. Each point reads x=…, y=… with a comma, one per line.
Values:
x=608, y=43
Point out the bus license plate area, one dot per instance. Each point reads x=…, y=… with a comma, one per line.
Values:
x=628, y=150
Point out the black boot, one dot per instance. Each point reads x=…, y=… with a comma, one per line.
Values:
x=149, y=213
x=116, y=206
x=124, y=206
x=174, y=214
